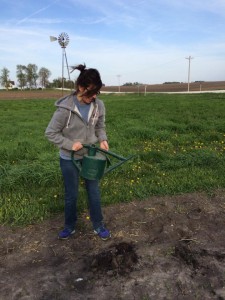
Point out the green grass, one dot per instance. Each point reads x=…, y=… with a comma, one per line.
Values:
x=179, y=141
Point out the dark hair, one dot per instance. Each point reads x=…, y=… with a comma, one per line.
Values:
x=87, y=77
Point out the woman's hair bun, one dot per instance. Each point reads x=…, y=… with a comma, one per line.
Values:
x=80, y=68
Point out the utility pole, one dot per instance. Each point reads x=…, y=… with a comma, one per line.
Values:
x=189, y=69
x=119, y=82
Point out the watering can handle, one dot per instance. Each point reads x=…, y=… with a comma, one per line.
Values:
x=77, y=162
x=104, y=151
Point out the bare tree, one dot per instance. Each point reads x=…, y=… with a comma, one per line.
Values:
x=21, y=76
x=31, y=75
x=44, y=75
x=4, y=78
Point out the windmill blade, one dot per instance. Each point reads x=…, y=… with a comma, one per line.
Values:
x=53, y=38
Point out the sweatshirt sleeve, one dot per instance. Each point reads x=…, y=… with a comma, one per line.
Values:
x=54, y=130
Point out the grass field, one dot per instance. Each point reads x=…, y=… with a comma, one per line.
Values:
x=179, y=141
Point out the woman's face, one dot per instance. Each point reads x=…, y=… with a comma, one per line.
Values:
x=87, y=94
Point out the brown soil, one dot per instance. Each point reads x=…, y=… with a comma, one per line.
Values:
x=161, y=248
x=175, y=87
x=172, y=87
x=34, y=94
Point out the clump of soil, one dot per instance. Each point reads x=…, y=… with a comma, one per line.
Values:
x=162, y=248
x=184, y=252
x=119, y=259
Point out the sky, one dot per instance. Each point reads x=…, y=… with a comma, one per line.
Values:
x=145, y=41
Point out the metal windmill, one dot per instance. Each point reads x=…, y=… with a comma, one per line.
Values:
x=63, y=40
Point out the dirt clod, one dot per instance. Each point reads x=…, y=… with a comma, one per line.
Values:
x=120, y=258
x=183, y=251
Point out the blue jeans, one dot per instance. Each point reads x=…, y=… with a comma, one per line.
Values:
x=71, y=184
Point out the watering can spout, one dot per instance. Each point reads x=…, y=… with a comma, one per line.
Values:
x=96, y=163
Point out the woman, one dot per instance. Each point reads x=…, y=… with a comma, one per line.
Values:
x=79, y=119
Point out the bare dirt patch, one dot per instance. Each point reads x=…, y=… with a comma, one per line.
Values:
x=34, y=94
x=161, y=248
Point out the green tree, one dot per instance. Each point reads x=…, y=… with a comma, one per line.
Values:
x=4, y=78
x=57, y=83
x=69, y=84
x=21, y=76
x=43, y=76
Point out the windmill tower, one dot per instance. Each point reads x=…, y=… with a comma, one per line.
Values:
x=63, y=40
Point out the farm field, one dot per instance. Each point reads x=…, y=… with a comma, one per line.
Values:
x=172, y=87
x=175, y=87
x=165, y=208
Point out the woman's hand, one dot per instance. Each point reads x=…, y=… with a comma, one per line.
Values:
x=104, y=145
x=77, y=146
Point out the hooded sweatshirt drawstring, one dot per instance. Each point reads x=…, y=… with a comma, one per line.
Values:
x=68, y=121
x=95, y=115
x=93, y=120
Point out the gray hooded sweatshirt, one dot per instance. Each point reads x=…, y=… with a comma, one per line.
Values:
x=67, y=126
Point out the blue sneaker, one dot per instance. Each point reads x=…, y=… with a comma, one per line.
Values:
x=65, y=234
x=103, y=233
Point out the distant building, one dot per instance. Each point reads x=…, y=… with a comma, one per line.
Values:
x=11, y=85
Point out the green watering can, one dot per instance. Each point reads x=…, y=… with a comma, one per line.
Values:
x=96, y=162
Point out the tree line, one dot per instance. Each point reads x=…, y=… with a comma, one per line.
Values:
x=30, y=77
